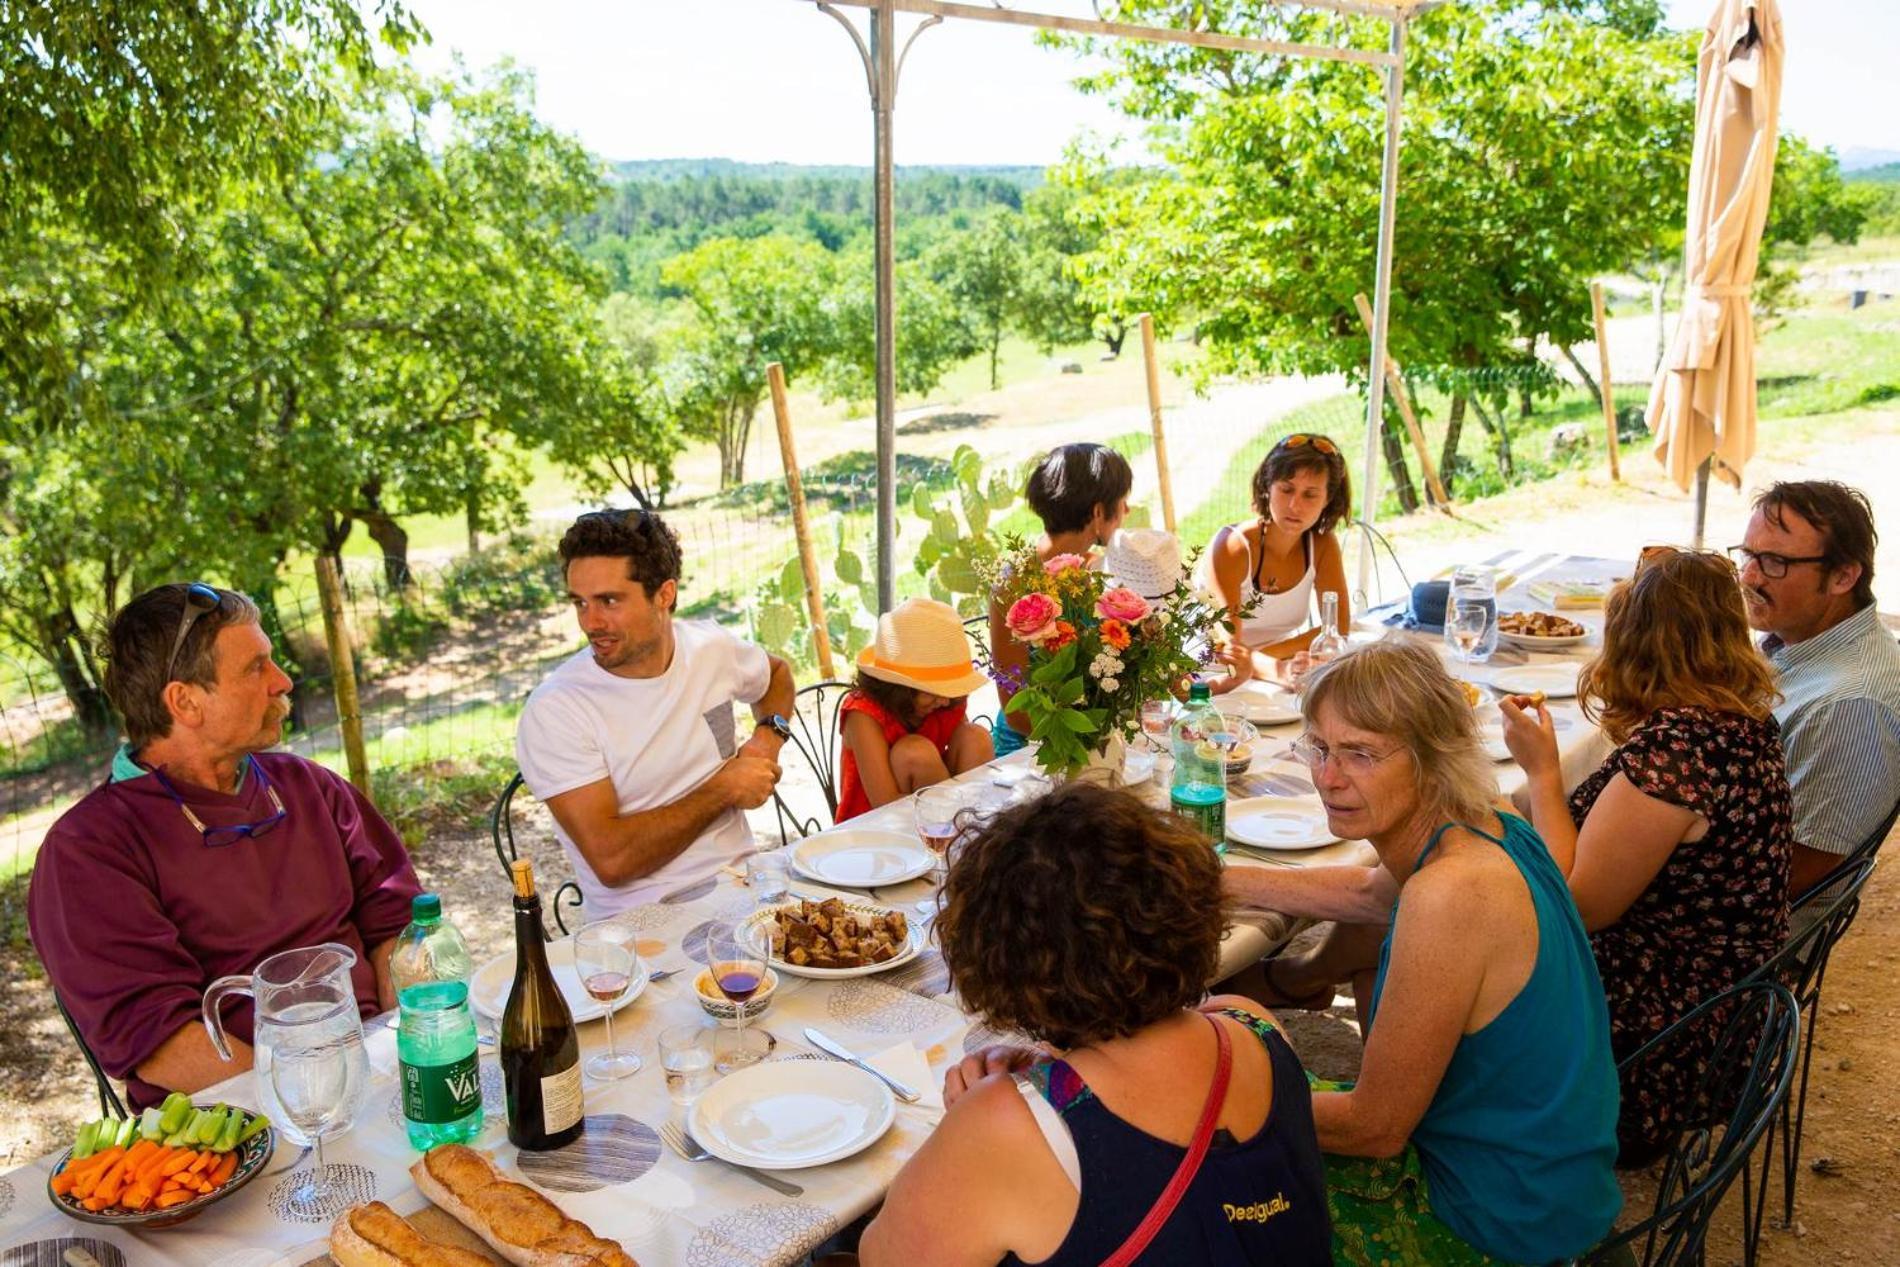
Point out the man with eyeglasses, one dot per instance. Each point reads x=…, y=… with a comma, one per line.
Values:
x=1807, y=571
x=203, y=852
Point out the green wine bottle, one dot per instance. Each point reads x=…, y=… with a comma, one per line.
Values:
x=540, y=1051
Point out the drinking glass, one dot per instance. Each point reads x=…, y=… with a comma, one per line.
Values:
x=686, y=1054
x=606, y=961
x=1465, y=627
x=769, y=872
x=1157, y=719
x=936, y=810
x=739, y=971
x=312, y=1087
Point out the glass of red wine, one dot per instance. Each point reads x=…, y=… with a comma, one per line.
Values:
x=936, y=808
x=738, y=968
x=606, y=961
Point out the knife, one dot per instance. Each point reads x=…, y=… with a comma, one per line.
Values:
x=832, y=1047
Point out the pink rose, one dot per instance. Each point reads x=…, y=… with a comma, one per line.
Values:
x=1033, y=616
x=1061, y=563
x=1122, y=603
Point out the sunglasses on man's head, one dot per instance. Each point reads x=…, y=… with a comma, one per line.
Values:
x=200, y=600
x=1301, y=440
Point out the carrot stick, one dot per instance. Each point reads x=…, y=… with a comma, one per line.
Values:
x=149, y=1164
x=225, y=1169
x=177, y=1162
x=62, y=1183
x=113, y=1181
x=96, y=1204
x=203, y=1161
x=177, y=1196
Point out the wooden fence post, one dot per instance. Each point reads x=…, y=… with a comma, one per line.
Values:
x=336, y=633
x=1153, y=363
x=1603, y=375
x=1395, y=383
x=795, y=492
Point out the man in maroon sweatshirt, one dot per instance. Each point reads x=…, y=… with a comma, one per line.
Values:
x=204, y=853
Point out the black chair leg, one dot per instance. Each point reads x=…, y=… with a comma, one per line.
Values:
x=1791, y=1154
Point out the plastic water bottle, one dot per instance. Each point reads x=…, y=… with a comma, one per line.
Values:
x=1199, y=791
x=435, y=1036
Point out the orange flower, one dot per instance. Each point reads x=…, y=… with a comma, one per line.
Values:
x=1116, y=634
x=1064, y=634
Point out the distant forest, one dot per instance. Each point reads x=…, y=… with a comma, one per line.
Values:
x=660, y=208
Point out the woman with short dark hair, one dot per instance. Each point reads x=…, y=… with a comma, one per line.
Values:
x=1080, y=492
x=1091, y=923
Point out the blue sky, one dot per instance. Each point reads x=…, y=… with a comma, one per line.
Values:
x=764, y=80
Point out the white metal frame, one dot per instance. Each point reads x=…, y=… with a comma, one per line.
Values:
x=883, y=61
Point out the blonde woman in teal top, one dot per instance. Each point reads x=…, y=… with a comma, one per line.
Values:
x=1482, y=1127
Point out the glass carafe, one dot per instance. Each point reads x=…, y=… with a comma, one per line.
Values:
x=303, y=1001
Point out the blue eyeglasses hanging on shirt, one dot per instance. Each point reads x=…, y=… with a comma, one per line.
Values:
x=237, y=831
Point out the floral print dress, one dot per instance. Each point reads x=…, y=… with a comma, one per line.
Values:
x=1715, y=911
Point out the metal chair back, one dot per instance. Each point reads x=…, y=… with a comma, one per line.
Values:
x=502, y=828
x=814, y=723
x=1744, y=1078
x=109, y=1103
x=1866, y=849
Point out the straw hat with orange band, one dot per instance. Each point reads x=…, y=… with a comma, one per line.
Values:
x=921, y=644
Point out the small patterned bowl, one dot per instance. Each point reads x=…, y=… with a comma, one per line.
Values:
x=723, y=1009
x=252, y=1154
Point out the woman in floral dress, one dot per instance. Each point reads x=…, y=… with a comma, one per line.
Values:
x=1678, y=848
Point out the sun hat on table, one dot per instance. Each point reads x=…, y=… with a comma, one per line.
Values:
x=1146, y=560
x=921, y=644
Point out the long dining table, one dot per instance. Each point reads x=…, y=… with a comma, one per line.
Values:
x=619, y=1178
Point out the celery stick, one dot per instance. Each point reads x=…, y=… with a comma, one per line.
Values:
x=212, y=1127
x=127, y=1131
x=83, y=1146
x=151, y=1124
x=174, y=1112
x=228, y=1137
x=256, y=1126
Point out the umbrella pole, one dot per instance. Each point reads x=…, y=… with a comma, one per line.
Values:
x=1701, y=500
x=1381, y=304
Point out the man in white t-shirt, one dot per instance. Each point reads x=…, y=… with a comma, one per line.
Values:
x=631, y=743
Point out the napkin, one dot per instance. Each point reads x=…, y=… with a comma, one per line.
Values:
x=907, y=1064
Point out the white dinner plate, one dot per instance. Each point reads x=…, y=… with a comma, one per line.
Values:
x=861, y=857
x=1491, y=730
x=1531, y=642
x=1556, y=681
x=1279, y=822
x=753, y=931
x=488, y=988
x=1261, y=703
x=786, y=1114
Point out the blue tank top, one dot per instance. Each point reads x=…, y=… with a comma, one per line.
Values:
x=1258, y=1202
x=1520, y=1139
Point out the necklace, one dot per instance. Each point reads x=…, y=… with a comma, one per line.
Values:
x=1267, y=583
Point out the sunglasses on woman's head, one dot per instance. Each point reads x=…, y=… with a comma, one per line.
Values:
x=1656, y=554
x=1301, y=440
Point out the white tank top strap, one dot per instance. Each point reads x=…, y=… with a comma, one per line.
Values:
x=1055, y=1132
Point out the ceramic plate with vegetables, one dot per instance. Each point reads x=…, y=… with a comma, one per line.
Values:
x=161, y=1167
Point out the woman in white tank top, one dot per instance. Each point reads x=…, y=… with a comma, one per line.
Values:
x=1284, y=559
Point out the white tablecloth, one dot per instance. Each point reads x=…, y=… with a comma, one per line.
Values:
x=628, y=1187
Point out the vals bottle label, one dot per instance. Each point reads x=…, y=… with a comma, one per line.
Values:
x=441, y=1093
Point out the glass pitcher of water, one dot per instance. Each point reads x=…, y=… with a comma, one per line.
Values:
x=305, y=1004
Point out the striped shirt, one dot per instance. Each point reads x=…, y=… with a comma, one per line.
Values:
x=1840, y=726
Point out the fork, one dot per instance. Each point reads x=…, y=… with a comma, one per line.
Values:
x=692, y=1150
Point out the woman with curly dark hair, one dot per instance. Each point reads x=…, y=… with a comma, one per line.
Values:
x=1091, y=923
x=1272, y=572
x=1678, y=849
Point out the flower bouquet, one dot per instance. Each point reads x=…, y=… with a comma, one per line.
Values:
x=1096, y=652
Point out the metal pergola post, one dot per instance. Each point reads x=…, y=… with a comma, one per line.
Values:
x=883, y=67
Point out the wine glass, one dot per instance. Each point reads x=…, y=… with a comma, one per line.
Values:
x=312, y=1085
x=739, y=970
x=605, y=958
x=1465, y=626
x=936, y=810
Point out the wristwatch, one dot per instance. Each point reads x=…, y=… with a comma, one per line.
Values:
x=777, y=725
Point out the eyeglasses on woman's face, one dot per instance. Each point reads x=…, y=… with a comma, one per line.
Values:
x=1350, y=759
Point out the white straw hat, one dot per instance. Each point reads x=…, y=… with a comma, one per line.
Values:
x=1146, y=560
x=921, y=644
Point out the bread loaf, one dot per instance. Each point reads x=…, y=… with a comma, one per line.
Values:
x=523, y=1226
x=374, y=1235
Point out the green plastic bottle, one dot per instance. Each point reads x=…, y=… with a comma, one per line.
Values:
x=1199, y=791
x=435, y=1037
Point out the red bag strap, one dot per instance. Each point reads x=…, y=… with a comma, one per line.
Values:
x=1171, y=1195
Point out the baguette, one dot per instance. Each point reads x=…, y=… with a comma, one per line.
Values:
x=521, y=1225
x=374, y=1235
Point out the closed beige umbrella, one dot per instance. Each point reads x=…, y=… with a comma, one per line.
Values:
x=1702, y=406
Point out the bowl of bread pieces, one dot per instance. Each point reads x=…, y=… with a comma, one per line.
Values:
x=510, y=1219
x=1540, y=631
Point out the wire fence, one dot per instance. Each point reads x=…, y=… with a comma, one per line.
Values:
x=447, y=651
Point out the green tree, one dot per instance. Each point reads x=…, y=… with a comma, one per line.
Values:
x=631, y=445
x=932, y=335
x=984, y=268
x=1052, y=308
x=752, y=302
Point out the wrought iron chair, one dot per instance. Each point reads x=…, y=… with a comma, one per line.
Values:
x=1866, y=849
x=1743, y=1082
x=501, y=826
x=1801, y=966
x=109, y=1103
x=814, y=723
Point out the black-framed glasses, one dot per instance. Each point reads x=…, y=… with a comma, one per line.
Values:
x=1773, y=566
x=236, y=831
x=200, y=600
